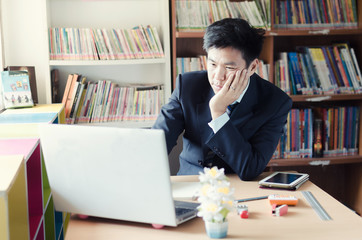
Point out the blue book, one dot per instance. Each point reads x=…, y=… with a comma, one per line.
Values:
x=312, y=10
x=310, y=131
x=348, y=132
x=312, y=76
x=16, y=89
x=331, y=75
x=293, y=59
x=306, y=73
x=292, y=81
x=288, y=12
x=345, y=68
x=355, y=125
x=27, y=118
x=335, y=65
x=307, y=12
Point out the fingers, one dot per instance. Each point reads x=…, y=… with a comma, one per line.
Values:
x=238, y=81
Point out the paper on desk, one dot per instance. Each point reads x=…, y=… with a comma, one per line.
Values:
x=184, y=190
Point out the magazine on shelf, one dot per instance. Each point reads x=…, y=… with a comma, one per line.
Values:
x=16, y=89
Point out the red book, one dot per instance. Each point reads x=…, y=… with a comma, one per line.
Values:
x=67, y=88
x=71, y=95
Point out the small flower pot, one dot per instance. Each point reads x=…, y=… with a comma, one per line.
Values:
x=216, y=230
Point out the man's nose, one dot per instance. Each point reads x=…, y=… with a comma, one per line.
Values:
x=220, y=74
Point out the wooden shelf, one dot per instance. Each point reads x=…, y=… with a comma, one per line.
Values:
x=123, y=124
x=314, y=32
x=285, y=32
x=189, y=34
x=106, y=62
x=322, y=98
x=324, y=161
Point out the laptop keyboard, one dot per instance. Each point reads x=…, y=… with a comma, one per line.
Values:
x=180, y=210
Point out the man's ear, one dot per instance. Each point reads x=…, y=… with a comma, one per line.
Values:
x=253, y=66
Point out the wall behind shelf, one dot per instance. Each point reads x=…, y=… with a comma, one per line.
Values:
x=25, y=29
x=106, y=72
x=112, y=14
x=22, y=21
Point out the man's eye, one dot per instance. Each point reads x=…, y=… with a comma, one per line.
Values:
x=230, y=68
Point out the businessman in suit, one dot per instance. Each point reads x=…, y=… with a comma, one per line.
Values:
x=241, y=140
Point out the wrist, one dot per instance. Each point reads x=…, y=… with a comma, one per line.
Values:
x=216, y=114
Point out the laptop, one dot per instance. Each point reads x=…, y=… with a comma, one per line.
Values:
x=116, y=173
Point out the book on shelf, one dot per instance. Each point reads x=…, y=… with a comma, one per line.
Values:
x=188, y=64
x=67, y=88
x=77, y=98
x=196, y=15
x=16, y=89
x=104, y=44
x=306, y=14
x=106, y=101
x=32, y=79
x=263, y=70
x=54, y=78
x=72, y=85
x=142, y=42
x=320, y=132
x=317, y=138
x=329, y=69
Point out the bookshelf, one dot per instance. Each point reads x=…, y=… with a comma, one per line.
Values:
x=13, y=204
x=189, y=44
x=108, y=14
x=29, y=185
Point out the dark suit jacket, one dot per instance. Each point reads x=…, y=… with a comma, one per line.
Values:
x=244, y=145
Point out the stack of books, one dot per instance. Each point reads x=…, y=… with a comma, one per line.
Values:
x=319, y=70
x=104, y=44
x=105, y=101
x=315, y=14
x=196, y=15
x=338, y=129
x=189, y=64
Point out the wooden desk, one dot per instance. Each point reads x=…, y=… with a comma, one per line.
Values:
x=301, y=222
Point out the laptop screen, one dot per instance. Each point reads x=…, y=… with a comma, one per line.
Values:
x=109, y=172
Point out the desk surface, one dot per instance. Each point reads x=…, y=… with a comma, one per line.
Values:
x=301, y=222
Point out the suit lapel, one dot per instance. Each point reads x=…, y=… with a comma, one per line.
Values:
x=204, y=115
x=203, y=118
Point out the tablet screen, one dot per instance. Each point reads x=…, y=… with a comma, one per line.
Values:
x=284, y=178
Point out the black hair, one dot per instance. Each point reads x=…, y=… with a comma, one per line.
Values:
x=236, y=33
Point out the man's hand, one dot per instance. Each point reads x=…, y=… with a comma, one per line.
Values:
x=235, y=84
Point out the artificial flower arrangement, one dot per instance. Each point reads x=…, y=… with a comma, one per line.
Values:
x=216, y=200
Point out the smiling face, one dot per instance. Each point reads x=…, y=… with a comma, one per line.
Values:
x=221, y=63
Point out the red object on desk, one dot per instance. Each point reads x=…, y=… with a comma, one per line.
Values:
x=279, y=210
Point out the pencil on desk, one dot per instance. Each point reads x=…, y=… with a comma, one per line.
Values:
x=251, y=199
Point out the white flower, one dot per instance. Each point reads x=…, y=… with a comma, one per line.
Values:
x=215, y=195
x=212, y=175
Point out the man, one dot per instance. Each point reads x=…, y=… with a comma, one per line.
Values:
x=243, y=140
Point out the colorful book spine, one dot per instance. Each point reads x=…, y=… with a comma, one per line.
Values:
x=105, y=101
x=307, y=14
x=104, y=44
x=332, y=133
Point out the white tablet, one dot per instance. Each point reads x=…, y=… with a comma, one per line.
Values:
x=284, y=180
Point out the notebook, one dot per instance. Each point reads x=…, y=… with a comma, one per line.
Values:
x=116, y=173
